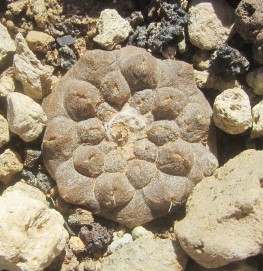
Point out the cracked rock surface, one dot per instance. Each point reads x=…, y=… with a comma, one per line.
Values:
x=128, y=135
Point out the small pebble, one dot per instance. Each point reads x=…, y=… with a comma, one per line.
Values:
x=140, y=231
x=120, y=242
x=10, y=165
x=26, y=118
x=257, y=114
x=232, y=111
x=4, y=131
x=66, y=40
x=7, y=85
x=39, y=41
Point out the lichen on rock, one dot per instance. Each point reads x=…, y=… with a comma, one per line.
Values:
x=128, y=135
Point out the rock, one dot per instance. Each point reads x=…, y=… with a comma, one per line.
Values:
x=228, y=62
x=249, y=19
x=7, y=46
x=117, y=243
x=201, y=59
x=31, y=234
x=80, y=217
x=17, y=7
x=39, y=41
x=140, y=231
x=204, y=79
x=223, y=211
x=249, y=265
x=68, y=57
x=7, y=85
x=257, y=49
x=165, y=35
x=26, y=118
x=95, y=237
x=4, y=131
x=35, y=78
x=255, y=80
x=37, y=9
x=112, y=29
x=70, y=261
x=10, y=165
x=89, y=265
x=32, y=157
x=39, y=179
x=123, y=178
x=210, y=23
x=66, y=40
x=147, y=254
x=76, y=245
x=257, y=115
x=232, y=111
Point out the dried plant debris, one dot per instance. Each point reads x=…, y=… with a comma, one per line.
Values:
x=128, y=135
x=227, y=61
x=168, y=28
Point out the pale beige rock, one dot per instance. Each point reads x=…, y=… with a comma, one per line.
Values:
x=4, y=131
x=201, y=59
x=7, y=46
x=257, y=115
x=147, y=254
x=140, y=231
x=204, y=79
x=236, y=266
x=255, y=80
x=26, y=118
x=232, y=111
x=39, y=41
x=17, y=7
x=10, y=165
x=7, y=85
x=37, y=9
x=31, y=234
x=210, y=23
x=224, y=214
x=76, y=245
x=112, y=29
x=35, y=78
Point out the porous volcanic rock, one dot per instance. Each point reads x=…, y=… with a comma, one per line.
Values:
x=128, y=135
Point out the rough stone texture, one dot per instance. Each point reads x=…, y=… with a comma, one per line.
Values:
x=201, y=59
x=26, y=118
x=10, y=165
x=232, y=111
x=7, y=46
x=140, y=231
x=204, y=79
x=210, y=23
x=258, y=49
x=7, y=85
x=147, y=254
x=249, y=19
x=112, y=29
x=35, y=78
x=80, y=217
x=39, y=41
x=37, y=10
x=257, y=114
x=224, y=219
x=236, y=266
x=119, y=242
x=76, y=245
x=31, y=234
x=4, y=131
x=255, y=80
x=107, y=125
x=227, y=62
